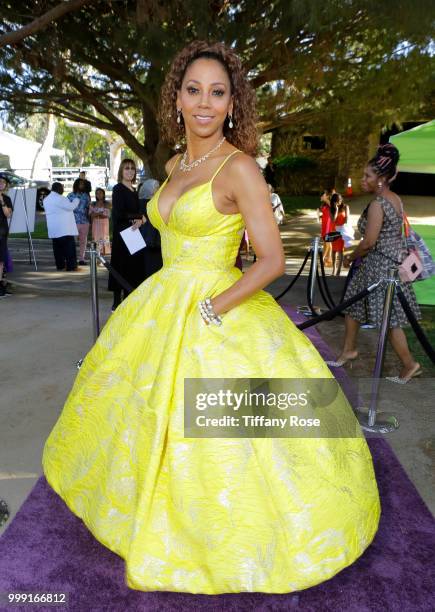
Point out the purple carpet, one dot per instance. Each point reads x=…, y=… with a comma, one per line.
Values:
x=47, y=549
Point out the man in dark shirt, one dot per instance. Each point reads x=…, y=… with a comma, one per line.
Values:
x=269, y=173
x=5, y=214
x=88, y=186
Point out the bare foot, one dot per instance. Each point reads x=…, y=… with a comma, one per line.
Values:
x=408, y=372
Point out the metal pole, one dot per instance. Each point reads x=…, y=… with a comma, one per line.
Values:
x=29, y=235
x=314, y=250
x=384, y=423
x=315, y=247
x=94, y=290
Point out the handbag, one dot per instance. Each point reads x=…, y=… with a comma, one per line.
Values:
x=417, y=248
x=331, y=236
x=411, y=266
x=415, y=242
x=149, y=233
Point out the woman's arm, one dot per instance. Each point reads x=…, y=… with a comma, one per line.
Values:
x=69, y=203
x=250, y=192
x=375, y=216
x=6, y=205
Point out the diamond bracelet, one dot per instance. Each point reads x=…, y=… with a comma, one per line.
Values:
x=207, y=312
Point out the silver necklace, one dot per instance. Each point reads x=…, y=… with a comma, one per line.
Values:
x=188, y=167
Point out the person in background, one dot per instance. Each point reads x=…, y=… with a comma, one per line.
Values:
x=153, y=252
x=269, y=173
x=324, y=217
x=88, y=185
x=81, y=214
x=147, y=189
x=125, y=212
x=99, y=213
x=381, y=248
x=5, y=215
x=62, y=227
x=277, y=207
x=339, y=212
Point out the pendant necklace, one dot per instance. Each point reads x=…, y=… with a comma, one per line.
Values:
x=188, y=167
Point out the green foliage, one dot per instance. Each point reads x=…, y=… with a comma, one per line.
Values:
x=294, y=163
x=356, y=63
x=83, y=147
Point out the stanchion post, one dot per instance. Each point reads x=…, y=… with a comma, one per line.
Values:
x=315, y=248
x=94, y=290
x=315, y=256
x=384, y=423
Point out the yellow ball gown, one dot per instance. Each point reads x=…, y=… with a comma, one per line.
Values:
x=218, y=515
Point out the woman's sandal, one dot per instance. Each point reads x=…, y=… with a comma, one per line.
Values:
x=341, y=362
x=417, y=371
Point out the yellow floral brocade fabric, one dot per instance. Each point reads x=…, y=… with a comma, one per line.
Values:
x=212, y=516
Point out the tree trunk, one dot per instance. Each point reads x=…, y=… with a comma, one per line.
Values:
x=157, y=152
x=42, y=161
x=115, y=157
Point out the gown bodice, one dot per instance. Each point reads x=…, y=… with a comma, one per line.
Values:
x=197, y=236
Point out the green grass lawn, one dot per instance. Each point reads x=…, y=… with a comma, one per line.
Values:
x=40, y=229
x=425, y=290
x=428, y=325
x=294, y=205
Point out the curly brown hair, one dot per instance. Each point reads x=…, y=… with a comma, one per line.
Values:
x=244, y=133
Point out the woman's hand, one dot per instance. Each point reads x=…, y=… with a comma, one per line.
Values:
x=136, y=225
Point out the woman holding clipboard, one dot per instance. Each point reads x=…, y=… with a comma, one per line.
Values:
x=125, y=213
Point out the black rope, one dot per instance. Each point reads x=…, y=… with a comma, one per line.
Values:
x=328, y=293
x=322, y=292
x=4, y=512
x=116, y=275
x=331, y=314
x=292, y=282
x=421, y=336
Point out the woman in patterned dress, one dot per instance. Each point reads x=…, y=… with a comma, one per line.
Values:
x=381, y=248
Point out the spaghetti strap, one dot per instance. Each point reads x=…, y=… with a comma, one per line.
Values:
x=224, y=162
x=173, y=167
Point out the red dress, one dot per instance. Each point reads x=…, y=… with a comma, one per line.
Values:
x=338, y=245
x=326, y=220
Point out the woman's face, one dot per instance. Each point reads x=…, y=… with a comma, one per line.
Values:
x=99, y=194
x=205, y=97
x=370, y=180
x=81, y=186
x=3, y=184
x=128, y=172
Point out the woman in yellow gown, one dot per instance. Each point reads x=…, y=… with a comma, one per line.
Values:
x=217, y=515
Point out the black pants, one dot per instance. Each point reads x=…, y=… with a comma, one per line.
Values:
x=64, y=249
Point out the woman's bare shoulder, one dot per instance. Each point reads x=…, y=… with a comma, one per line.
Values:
x=170, y=163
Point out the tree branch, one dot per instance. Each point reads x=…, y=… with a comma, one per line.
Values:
x=40, y=22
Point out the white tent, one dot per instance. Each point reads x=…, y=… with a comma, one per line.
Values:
x=22, y=153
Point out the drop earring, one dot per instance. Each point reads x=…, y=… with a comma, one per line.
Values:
x=230, y=123
x=380, y=185
x=178, y=116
